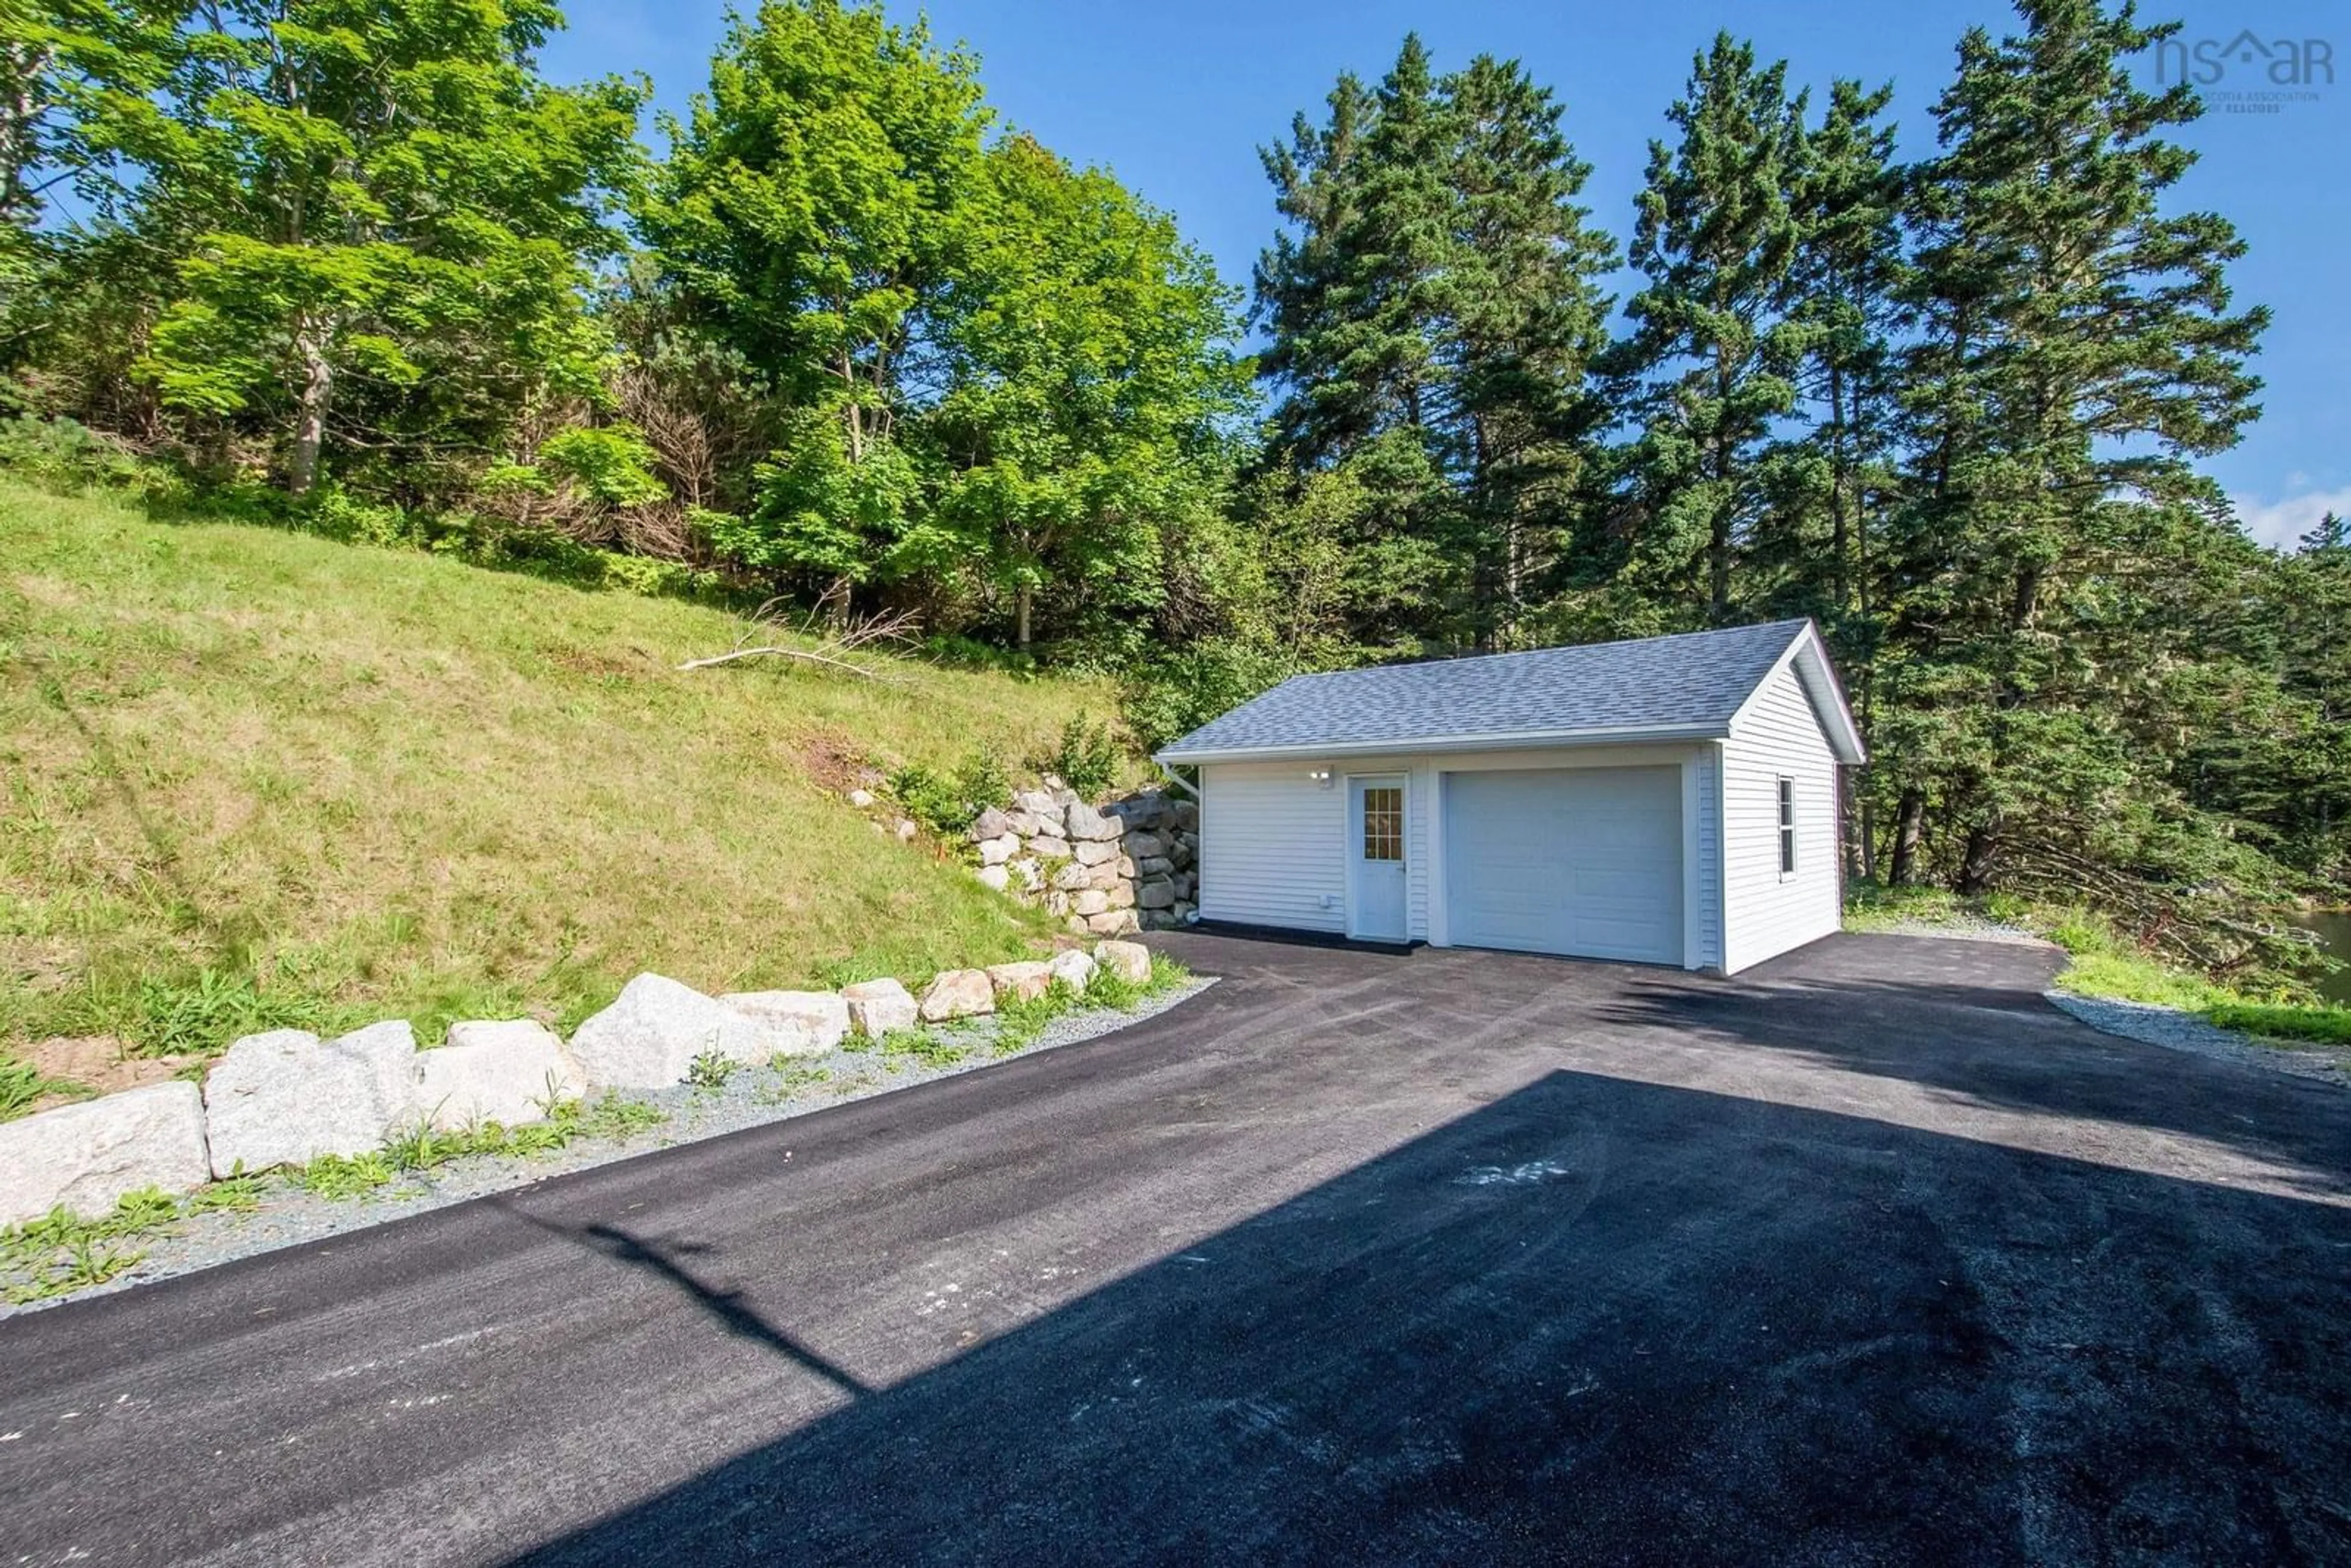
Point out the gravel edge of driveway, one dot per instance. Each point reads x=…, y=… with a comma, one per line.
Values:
x=2178, y=1031
x=291, y=1216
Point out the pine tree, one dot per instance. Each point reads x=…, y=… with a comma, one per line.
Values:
x=1709, y=366
x=1433, y=308
x=1844, y=310
x=1527, y=320
x=2079, y=351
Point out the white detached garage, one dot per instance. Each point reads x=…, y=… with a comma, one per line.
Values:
x=1670, y=801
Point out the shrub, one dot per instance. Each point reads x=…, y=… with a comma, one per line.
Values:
x=1180, y=691
x=945, y=804
x=1086, y=757
x=61, y=455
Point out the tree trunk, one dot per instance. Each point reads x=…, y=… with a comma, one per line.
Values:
x=1868, y=838
x=1909, y=832
x=1839, y=547
x=1851, y=832
x=310, y=408
x=1023, y=598
x=1983, y=851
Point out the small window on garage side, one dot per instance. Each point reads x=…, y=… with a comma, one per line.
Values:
x=1787, y=826
x=1383, y=823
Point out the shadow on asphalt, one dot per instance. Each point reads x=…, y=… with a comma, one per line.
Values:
x=727, y=1309
x=1603, y=1320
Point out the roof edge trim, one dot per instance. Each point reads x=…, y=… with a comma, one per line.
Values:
x=1504, y=740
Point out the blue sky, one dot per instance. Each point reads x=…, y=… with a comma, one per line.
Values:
x=1175, y=99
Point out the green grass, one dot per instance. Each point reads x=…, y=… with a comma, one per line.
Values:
x=2321, y=1026
x=22, y=1087
x=251, y=778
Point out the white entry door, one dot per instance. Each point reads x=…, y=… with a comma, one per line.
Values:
x=1375, y=902
x=1586, y=860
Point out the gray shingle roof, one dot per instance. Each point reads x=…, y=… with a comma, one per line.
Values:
x=1692, y=683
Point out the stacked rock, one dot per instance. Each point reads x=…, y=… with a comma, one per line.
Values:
x=1130, y=865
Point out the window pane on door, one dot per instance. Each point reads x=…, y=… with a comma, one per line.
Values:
x=1384, y=822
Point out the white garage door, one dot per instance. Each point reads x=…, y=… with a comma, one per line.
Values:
x=1586, y=860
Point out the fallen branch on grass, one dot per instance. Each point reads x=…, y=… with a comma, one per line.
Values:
x=830, y=651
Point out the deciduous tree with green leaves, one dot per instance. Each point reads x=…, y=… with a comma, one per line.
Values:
x=1092, y=385
x=381, y=193
x=807, y=216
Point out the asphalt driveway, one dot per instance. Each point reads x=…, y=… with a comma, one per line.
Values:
x=1867, y=1255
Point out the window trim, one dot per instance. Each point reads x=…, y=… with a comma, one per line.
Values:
x=1785, y=819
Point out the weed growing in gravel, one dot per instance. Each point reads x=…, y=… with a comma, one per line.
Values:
x=614, y=1115
x=60, y=1252
x=1108, y=989
x=711, y=1069
x=792, y=1078
x=424, y=1147
x=346, y=1176
x=1022, y=1021
x=238, y=1194
x=926, y=1046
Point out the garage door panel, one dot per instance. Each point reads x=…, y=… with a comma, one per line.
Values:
x=1577, y=861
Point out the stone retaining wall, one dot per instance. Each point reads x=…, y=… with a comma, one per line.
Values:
x=1130, y=865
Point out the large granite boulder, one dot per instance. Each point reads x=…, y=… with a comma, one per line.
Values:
x=957, y=994
x=989, y=824
x=510, y=1071
x=1072, y=966
x=88, y=1155
x=1087, y=825
x=284, y=1097
x=1155, y=896
x=1113, y=923
x=796, y=1023
x=649, y=1037
x=997, y=851
x=1128, y=960
x=1095, y=852
x=878, y=1007
x=1019, y=982
x=996, y=878
x=1140, y=847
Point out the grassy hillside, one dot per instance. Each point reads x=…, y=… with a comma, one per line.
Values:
x=255, y=777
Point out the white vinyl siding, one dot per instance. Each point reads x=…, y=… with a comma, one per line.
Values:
x=1778, y=736
x=1273, y=843
x=1706, y=939
x=1273, y=846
